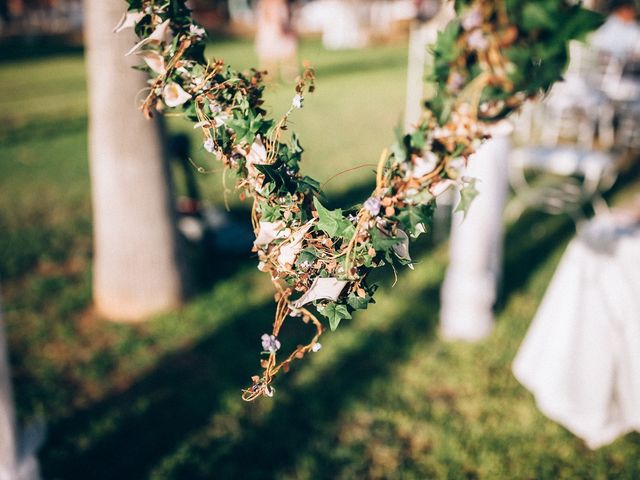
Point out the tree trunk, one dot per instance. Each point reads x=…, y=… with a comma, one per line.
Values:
x=136, y=268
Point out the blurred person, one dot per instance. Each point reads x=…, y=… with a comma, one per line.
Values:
x=276, y=40
x=620, y=34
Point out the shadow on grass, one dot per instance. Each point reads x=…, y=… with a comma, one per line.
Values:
x=135, y=430
x=153, y=423
x=39, y=46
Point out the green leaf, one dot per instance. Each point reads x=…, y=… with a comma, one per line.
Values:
x=415, y=218
x=332, y=222
x=382, y=242
x=270, y=213
x=273, y=175
x=467, y=194
x=334, y=313
x=358, y=303
x=306, y=255
x=539, y=15
x=308, y=184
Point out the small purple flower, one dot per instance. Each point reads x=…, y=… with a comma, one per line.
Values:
x=455, y=82
x=270, y=343
x=372, y=205
x=473, y=19
x=477, y=41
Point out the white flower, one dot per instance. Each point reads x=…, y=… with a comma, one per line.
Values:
x=155, y=61
x=174, y=95
x=473, y=19
x=372, y=205
x=269, y=231
x=297, y=101
x=270, y=343
x=221, y=119
x=440, y=187
x=322, y=289
x=291, y=247
x=197, y=31
x=162, y=34
x=316, y=347
x=128, y=20
x=209, y=145
x=457, y=163
x=258, y=153
x=477, y=41
x=424, y=165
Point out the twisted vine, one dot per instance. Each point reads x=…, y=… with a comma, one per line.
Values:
x=487, y=62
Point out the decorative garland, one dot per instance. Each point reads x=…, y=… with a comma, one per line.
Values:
x=496, y=55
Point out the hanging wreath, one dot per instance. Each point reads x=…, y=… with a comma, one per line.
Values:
x=487, y=62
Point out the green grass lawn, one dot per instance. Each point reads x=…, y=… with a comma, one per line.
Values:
x=384, y=398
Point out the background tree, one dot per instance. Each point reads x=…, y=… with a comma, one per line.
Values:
x=136, y=263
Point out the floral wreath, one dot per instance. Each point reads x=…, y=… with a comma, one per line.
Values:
x=487, y=62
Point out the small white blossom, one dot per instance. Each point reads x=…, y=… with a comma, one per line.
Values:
x=297, y=101
x=316, y=347
x=154, y=61
x=210, y=145
x=174, y=95
x=424, y=165
x=161, y=34
x=473, y=19
x=128, y=20
x=477, y=41
x=197, y=31
x=221, y=119
x=270, y=343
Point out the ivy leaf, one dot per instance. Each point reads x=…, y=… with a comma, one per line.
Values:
x=414, y=218
x=332, y=222
x=273, y=175
x=381, y=241
x=307, y=184
x=307, y=255
x=538, y=15
x=467, y=194
x=334, y=313
x=270, y=213
x=358, y=303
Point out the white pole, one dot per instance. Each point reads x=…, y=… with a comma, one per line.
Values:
x=11, y=466
x=8, y=443
x=420, y=37
x=470, y=286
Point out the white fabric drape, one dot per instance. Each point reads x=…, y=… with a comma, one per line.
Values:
x=581, y=356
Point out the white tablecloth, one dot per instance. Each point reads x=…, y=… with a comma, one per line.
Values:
x=581, y=356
